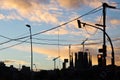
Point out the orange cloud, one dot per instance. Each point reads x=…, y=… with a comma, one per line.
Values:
x=32, y=10
x=52, y=52
x=60, y=31
x=115, y=22
x=2, y=16
x=17, y=62
x=70, y=4
x=49, y=51
x=79, y=3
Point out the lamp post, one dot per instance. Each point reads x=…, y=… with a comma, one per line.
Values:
x=31, y=46
x=112, y=54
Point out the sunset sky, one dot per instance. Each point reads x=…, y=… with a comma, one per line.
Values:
x=43, y=15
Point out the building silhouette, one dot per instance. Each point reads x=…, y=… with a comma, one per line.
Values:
x=82, y=60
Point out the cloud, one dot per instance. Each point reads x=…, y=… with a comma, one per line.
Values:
x=115, y=21
x=70, y=4
x=94, y=3
x=79, y=3
x=33, y=10
x=15, y=62
x=49, y=51
x=2, y=16
x=58, y=31
x=72, y=29
x=52, y=52
x=12, y=16
x=42, y=10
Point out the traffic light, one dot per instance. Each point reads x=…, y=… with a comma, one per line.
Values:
x=100, y=59
x=79, y=23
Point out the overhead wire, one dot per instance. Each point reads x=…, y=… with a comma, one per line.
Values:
x=25, y=41
x=96, y=29
x=13, y=45
x=19, y=39
x=4, y=37
x=9, y=40
x=43, y=39
x=61, y=40
x=90, y=12
x=114, y=39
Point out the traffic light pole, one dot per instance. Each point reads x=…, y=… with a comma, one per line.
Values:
x=105, y=5
x=103, y=50
x=109, y=39
x=104, y=37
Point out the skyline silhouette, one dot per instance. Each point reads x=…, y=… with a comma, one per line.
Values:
x=54, y=27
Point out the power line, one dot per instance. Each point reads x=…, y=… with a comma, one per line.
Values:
x=90, y=12
x=4, y=37
x=13, y=45
x=96, y=29
x=45, y=43
x=8, y=40
x=39, y=39
x=25, y=41
x=114, y=39
x=61, y=40
x=91, y=33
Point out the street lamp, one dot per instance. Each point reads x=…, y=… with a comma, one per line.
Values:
x=31, y=46
x=112, y=59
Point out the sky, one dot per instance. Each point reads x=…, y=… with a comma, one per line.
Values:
x=49, y=42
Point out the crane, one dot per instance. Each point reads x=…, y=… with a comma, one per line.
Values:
x=54, y=59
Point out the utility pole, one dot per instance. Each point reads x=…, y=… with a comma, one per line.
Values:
x=105, y=5
x=104, y=38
